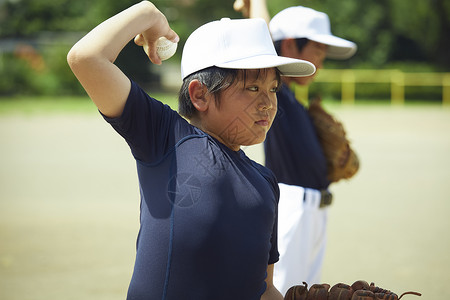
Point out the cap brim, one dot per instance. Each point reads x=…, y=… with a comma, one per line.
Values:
x=338, y=48
x=287, y=66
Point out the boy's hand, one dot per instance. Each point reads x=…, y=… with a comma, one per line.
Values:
x=148, y=42
x=252, y=9
x=92, y=58
x=242, y=6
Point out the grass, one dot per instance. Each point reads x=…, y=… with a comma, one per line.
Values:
x=64, y=104
x=82, y=104
x=31, y=105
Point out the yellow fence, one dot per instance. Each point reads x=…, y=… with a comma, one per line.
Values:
x=398, y=80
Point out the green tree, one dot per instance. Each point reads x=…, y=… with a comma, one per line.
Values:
x=413, y=32
x=388, y=31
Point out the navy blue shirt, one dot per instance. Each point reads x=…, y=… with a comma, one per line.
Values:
x=208, y=214
x=292, y=149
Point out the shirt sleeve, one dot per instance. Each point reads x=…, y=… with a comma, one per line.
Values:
x=147, y=125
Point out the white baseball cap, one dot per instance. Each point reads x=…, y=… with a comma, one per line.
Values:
x=303, y=22
x=237, y=44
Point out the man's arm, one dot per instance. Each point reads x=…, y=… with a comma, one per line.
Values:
x=92, y=58
x=271, y=292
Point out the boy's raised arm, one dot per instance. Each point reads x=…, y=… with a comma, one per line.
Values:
x=92, y=58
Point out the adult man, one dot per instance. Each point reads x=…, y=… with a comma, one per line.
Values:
x=292, y=149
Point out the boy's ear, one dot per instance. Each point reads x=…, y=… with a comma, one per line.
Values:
x=197, y=92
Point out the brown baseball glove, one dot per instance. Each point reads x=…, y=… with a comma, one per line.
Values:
x=359, y=290
x=342, y=161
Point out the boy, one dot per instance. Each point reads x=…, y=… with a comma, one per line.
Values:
x=208, y=213
x=298, y=160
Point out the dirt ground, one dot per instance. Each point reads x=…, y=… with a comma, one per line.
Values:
x=69, y=205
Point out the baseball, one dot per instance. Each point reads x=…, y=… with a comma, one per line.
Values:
x=165, y=48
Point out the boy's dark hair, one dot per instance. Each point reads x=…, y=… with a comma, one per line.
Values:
x=216, y=80
x=301, y=43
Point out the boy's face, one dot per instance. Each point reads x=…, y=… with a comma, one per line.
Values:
x=245, y=111
x=313, y=52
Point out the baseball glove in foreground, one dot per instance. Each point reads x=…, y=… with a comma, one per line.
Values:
x=359, y=290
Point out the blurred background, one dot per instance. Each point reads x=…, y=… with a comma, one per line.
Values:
x=69, y=197
x=35, y=36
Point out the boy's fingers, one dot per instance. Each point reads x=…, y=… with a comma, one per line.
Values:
x=153, y=56
x=139, y=40
x=242, y=6
x=238, y=5
x=150, y=51
x=150, y=45
x=172, y=36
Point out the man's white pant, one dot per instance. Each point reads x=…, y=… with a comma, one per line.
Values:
x=301, y=237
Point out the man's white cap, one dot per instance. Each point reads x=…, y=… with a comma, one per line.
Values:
x=237, y=44
x=303, y=22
